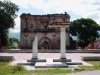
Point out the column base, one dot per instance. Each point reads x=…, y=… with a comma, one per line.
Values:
x=36, y=60
x=34, y=57
x=62, y=60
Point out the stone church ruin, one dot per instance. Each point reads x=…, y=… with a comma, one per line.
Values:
x=48, y=38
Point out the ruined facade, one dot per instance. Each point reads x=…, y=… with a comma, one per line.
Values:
x=49, y=38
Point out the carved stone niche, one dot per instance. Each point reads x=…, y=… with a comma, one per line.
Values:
x=45, y=22
x=32, y=24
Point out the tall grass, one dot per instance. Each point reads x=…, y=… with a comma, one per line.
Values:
x=8, y=70
x=20, y=70
x=56, y=71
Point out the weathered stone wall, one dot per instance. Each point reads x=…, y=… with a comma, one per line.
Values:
x=47, y=39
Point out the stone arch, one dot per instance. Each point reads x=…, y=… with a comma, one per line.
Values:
x=45, y=43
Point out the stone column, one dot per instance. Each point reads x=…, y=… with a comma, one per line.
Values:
x=63, y=42
x=35, y=47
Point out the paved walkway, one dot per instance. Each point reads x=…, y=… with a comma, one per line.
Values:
x=74, y=56
x=25, y=56
x=95, y=72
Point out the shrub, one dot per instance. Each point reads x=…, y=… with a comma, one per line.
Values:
x=18, y=68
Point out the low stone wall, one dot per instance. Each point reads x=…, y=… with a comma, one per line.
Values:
x=91, y=58
x=6, y=58
x=48, y=51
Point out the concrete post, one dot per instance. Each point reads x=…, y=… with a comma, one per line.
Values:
x=35, y=47
x=63, y=43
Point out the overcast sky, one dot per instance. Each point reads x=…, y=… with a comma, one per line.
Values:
x=75, y=8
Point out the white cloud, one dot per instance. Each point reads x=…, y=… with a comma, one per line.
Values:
x=57, y=5
x=17, y=26
x=85, y=8
x=77, y=6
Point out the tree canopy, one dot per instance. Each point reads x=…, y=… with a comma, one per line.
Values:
x=7, y=15
x=86, y=30
x=14, y=40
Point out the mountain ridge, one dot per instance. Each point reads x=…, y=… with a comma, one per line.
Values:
x=14, y=35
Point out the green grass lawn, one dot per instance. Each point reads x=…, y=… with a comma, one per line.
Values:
x=20, y=70
x=95, y=67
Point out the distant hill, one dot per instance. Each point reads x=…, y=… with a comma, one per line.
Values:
x=15, y=35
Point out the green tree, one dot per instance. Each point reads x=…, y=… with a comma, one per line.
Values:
x=7, y=15
x=13, y=40
x=6, y=41
x=86, y=30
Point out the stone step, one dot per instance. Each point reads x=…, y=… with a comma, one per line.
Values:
x=57, y=65
x=50, y=63
x=37, y=60
x=33, y=63
x=51, y=66
x=61, y=60
x=74, y=63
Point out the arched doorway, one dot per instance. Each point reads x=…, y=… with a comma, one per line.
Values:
x=45, y=43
